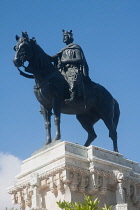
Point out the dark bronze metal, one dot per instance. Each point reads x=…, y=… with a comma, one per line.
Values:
x=71, y=62
x=65, y=87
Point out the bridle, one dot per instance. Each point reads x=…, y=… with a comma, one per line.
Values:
x=25, y=74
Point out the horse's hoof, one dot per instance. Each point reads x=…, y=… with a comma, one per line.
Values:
x=57, y=138
x=90, y=139
x=116, y=151
x=87, y=144
x=48, y=141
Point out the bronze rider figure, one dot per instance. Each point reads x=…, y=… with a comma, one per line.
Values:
x=71, y=62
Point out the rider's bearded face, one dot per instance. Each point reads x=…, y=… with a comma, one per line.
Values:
x=65, y=38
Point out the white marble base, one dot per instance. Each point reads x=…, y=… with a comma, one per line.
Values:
x=121, y=207
x=64, y=170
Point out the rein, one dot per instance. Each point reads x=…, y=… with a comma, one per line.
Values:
x=24, y=74
x=37, y=86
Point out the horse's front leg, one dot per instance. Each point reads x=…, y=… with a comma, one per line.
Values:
x=57, y=115
x=47, y=117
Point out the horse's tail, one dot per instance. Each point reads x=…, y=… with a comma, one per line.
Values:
x=116, y=113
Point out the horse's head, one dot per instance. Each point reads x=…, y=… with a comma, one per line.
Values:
x=24, y=51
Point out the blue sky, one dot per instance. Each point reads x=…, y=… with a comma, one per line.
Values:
x=108, y=32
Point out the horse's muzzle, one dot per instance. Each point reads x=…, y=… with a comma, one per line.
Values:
x=17, y=62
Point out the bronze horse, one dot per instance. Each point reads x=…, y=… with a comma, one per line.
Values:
x=51, y=90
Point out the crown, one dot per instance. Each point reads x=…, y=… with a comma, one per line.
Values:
x=69, y=33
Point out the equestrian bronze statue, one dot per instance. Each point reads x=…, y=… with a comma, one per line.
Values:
x=62, y=85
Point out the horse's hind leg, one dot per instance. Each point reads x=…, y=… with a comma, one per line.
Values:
x=112, y=132
x=113, y=136
x=114, y=139
x=87, y=124
x=47, y=117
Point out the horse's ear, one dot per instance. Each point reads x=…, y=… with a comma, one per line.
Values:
x=17, y=37
x=63, y=30
x=70, y=31
x=25, y=35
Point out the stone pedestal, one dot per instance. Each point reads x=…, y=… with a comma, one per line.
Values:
x=63, y=171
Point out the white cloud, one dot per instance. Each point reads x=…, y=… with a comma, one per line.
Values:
x=9, y=168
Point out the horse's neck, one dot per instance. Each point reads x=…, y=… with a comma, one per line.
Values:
x=42, y=66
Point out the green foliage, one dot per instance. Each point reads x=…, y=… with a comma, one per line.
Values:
x=89, y=204
x=106, y=208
